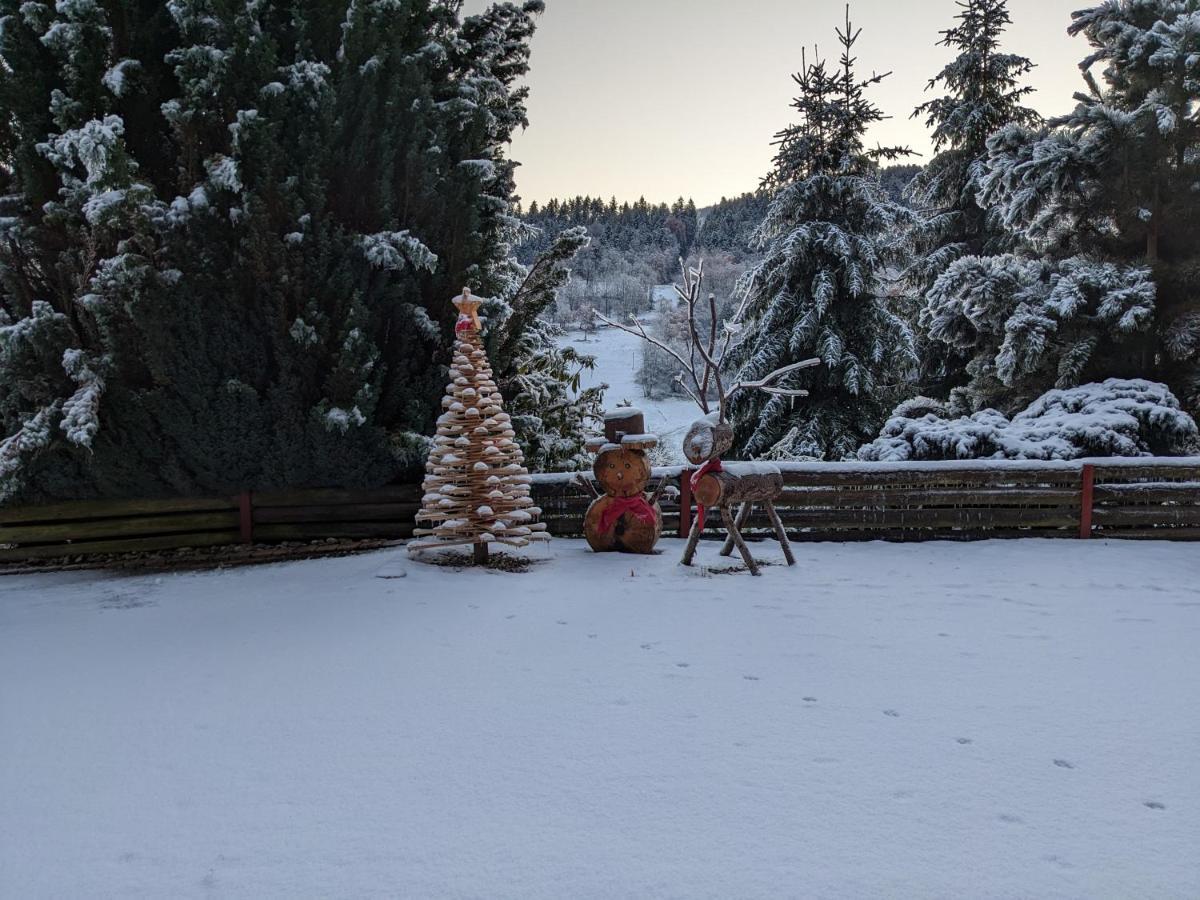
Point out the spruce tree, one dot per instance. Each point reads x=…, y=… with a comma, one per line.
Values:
x=551, y=415
x=228, y=230
x=983, y=92
x=829, y=234
x=1103, y=205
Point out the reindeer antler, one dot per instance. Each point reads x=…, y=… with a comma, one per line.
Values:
x=711, y=361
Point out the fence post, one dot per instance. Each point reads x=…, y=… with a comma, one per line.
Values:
x=1088, y=481
x=685, y=502
x=246, y=517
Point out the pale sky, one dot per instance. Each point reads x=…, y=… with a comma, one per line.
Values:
x=664, y=98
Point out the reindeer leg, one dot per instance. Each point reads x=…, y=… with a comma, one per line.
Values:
x=689, y=552
x=736, y=536
x=781, y=534
x=742, y=519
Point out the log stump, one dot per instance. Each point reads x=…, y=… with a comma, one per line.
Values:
x=630, y=533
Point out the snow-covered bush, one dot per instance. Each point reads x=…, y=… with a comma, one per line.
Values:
x=1113, y=418
x=1025, y=325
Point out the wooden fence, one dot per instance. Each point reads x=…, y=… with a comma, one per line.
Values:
x=1125, y=498
x=1122, y=498
x=126, y=526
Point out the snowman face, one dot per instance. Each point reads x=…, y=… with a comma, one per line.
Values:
x=621, y=472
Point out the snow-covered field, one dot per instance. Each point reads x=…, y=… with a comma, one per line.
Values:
x=618, y=358
x=1000, y=719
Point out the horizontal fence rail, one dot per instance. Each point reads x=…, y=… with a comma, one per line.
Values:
x=1112, y=498
x=129, y=526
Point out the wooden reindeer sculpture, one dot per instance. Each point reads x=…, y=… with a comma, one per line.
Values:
x=717, y=484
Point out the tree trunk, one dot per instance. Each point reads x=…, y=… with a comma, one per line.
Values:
x=729, y=487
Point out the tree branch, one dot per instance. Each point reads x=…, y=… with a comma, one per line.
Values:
x=764, y=383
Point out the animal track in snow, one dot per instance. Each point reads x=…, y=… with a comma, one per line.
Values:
x=1154, y=804
x=964, y=740
x=682, y=665
x=809, y=699
x=117, y=600
x=892, y=713
x=1064, y=764
x=561, y=621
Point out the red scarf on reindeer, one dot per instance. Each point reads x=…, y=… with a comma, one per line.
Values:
x=621, y=505
x=713, y=465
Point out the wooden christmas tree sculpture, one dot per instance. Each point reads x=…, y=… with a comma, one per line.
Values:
x=476, y=486
x=622, y=518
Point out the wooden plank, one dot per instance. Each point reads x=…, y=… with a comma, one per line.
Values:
x=1148, y=515
x=1060, y=517
x=1087, y=484
x=392, y=493
x=893, y=478
x=907, y=497
x=246, y=517
x=82, y=510
x=1155, y=492
x=97, y=529
x=384, y=512
x=320, y=530
x=1117, y=473
x=917, y=536
x=132, y=545
x=1151, y=534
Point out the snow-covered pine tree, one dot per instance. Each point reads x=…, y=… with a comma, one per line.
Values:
x=1117, y=180
x=227, y=229
x=551, y=415
x=983, y=92
x=829, y=234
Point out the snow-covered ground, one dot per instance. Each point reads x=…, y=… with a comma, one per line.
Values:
x=618, y=358
x=994, y=720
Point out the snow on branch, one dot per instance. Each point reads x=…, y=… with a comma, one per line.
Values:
x=706, y=349
x=1116, y=417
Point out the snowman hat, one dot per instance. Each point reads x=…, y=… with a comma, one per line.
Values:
x=625, y=428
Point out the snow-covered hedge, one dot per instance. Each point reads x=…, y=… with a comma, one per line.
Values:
x=1112, y=418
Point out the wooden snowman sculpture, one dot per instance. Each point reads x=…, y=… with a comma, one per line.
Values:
x=622, y=519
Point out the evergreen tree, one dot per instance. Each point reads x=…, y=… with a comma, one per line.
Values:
x=1106, y=200
x=829, y=234
x=229, y=230
x=983, y=93
x=552, y=417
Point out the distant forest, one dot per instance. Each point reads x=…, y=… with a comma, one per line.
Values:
x=635, y=246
